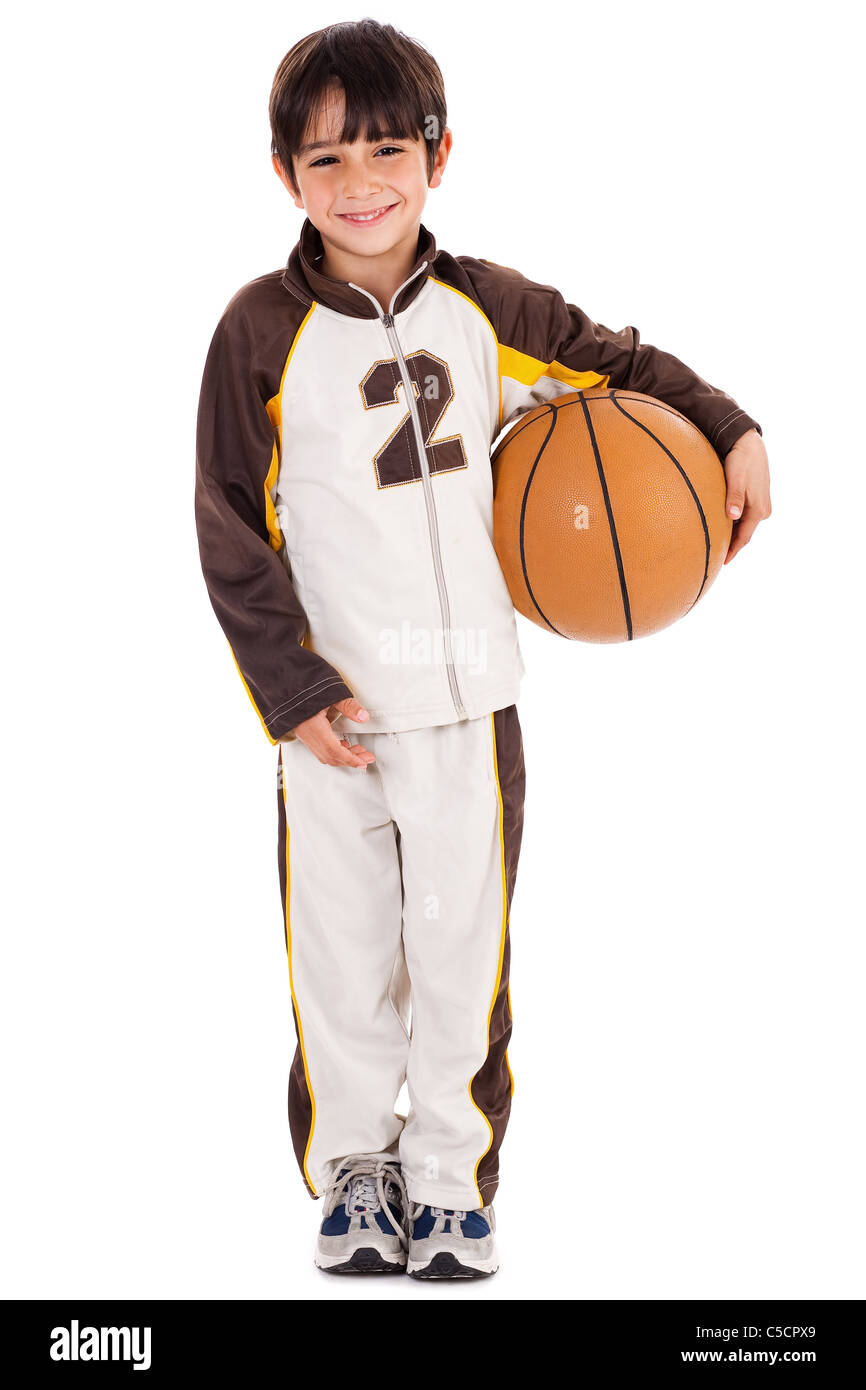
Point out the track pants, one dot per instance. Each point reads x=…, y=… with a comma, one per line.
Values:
x=396, y=887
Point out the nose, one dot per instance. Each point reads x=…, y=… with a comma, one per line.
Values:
x=361, y=182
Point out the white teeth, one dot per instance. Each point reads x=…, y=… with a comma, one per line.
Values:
x=364, y=216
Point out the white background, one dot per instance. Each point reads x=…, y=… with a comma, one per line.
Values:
x=687, y=930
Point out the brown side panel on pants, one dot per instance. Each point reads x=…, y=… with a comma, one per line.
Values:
x=300, y=1103
x=491, y=1085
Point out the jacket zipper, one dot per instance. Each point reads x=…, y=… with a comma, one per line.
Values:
x=429, y=499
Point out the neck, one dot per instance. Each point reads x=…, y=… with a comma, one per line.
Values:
x=380, y=275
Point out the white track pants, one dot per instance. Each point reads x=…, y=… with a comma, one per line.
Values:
x=396, y=886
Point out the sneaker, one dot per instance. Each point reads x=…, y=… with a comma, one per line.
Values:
x=363, y=1228
x=447, y=1244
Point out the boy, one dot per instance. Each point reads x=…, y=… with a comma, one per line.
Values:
x=344, y=510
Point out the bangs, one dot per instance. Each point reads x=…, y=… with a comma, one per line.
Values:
x=369, y=114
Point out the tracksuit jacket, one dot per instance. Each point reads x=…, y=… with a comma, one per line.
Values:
x=343, y=481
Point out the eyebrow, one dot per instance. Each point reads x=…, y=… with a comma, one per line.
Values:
x=326, y=144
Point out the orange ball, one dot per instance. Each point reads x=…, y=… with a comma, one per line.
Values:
x=608, y=515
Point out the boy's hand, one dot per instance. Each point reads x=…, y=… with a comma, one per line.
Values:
x=320, y=738
x=747, y=470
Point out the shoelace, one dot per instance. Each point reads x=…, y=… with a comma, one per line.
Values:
x=365, y=1182
x=450, y=1221
x=363, y=1194
x=439, y=1211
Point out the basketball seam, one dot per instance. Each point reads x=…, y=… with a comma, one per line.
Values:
x=623, y=587
x=559, y=404
x=688, y=481
x=523, y=505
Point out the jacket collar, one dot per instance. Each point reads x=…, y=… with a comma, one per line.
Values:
x=303, y=279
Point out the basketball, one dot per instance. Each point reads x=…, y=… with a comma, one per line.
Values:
x=608, y=515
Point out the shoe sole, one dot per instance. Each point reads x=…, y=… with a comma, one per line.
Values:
x=447, y=1266
x=363, y=1261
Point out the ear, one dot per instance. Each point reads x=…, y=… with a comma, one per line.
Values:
x=441, y=158
x=286, y=182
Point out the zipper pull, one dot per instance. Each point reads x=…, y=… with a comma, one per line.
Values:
x=388, y=320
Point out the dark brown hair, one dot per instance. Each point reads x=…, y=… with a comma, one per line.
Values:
x=392, y=87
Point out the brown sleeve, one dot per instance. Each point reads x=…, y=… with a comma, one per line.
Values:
x=248, y=582
x=536, y=320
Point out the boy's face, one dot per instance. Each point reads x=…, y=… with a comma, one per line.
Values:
x=339, y=183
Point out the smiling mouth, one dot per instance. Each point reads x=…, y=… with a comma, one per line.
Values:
x=366, y=219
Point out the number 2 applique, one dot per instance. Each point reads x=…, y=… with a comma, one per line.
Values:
x=397, y=461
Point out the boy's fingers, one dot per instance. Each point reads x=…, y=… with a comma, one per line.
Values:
x=340, y=752
x=735, y=502
x=336, y=750
x=352, y=708
x=321, y=740
x=743, y=532
x=359, y=750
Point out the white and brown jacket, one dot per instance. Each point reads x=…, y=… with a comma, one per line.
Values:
x=343, y=491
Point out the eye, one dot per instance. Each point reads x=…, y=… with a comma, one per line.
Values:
x=329, y=159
